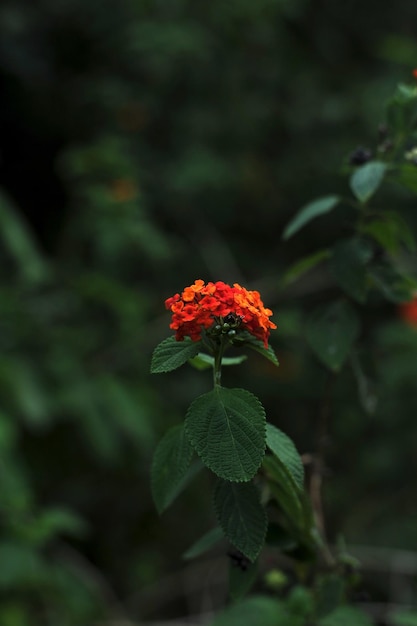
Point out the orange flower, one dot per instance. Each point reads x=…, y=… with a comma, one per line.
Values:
x=202, y=307
x=415, y=73
x=408, y=312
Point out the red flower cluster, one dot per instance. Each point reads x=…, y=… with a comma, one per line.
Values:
x=199, y=305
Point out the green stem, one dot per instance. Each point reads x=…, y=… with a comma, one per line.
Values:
x=217, y=366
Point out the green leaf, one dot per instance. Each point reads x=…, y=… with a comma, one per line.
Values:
x=284, y=449
x=366, y=388
x=308, y=212
x=226, y=428
x=403, y=617
x=170, y=463
x=394, y=286
x=331, y=331
x=346, y=616
x=20, y=243
x=205, y=361
x=348, y=264
x=241, y=579
x=365, y=181
x=261, y=610
x=301, y=602
x=23, y=567
x=241, y=516
x=330, y=593
x=246, y=340
x=406, y=176
x=391, y=232
x=205, y=543
x=52, y=522
x=304, y=265
x=171, y=354
x=285, y=492
x=402, y=110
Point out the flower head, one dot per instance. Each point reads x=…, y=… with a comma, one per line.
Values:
x=213, y=305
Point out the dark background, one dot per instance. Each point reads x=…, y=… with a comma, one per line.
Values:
x=144, y=145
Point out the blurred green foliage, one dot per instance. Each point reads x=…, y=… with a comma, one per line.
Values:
x=146, y=144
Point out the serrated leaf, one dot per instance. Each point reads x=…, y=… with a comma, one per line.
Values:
x=284, y=449
x=241, y=516
x=331, y=331
x=261, y=610
x=226, y=428
x=308, y=212
x=365, y=181
x=205, y=543
x=391, y=232
x=171, y=354
x=391, y=283
x=246, y=340
x=305, y=265
x=348, y=264
x=170, y=463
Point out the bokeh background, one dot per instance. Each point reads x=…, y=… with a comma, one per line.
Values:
x=145, y=144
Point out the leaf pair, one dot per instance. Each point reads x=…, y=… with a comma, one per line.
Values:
x=240, y=514
x=170, y=354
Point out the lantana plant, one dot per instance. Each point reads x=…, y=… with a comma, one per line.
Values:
x=259, y=475
x=259, y=496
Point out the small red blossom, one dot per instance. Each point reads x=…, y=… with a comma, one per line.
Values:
x=408, y=312
x=415, y=73
x=201, y=305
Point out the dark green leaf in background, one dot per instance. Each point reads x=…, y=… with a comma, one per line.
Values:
x=305, y=265
x=366, y=387
x=366, y=179
x=205, y=543
x=406, y=175
x=18, y=240
x=394, y=286
x=348, y=263
x=402, y=109
x=308, y=212
x=226, y=427
x=256, y=610
x=403, y=617
x=346, y=616
x=391, y=231
x=241, y=516
x=241, y=578
x=331, y=331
